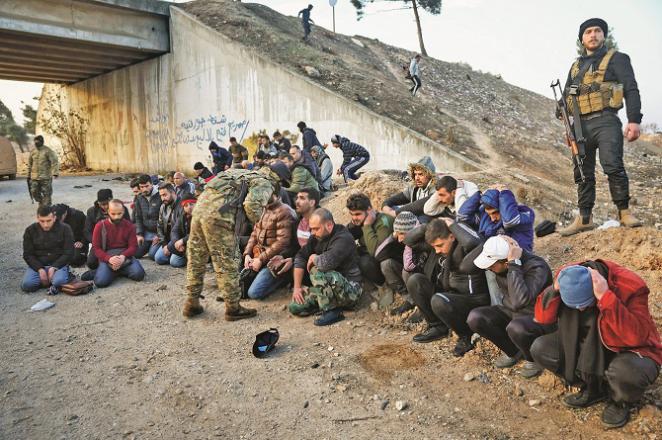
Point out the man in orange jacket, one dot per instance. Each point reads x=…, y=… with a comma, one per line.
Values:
x=607, y=342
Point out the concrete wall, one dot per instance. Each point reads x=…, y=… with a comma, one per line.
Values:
x=161, y=114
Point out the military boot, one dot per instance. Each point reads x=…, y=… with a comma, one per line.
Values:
x=192, y=307
x=580, y=224
x=627, y=219
x=236, y=312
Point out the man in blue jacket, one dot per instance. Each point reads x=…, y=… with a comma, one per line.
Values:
x=496, y=212
x=221, y=157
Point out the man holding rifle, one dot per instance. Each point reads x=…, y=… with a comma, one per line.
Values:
x=594, y=91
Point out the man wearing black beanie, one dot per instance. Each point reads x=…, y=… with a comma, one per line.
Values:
x=597, y=83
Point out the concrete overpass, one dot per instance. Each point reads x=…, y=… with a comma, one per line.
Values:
x=66, y=41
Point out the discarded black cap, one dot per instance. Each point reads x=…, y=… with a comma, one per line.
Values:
x=265, y=342
x=545, y=227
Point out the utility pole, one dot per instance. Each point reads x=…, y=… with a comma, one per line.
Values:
x=333, y=6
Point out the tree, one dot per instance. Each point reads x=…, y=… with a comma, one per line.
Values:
x=30, y=118
x=431, y=6
x=9, y=128
x=610, y=42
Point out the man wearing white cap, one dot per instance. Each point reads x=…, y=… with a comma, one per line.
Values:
x=521, y=276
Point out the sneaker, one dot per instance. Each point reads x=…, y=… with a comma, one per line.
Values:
x=431, y=334
x=530, y=370
x=583, y=399
x=238, y=312
x=330, y=317
x=616, y=414
x=403, y=308
x=463, y=346
x=505, y=361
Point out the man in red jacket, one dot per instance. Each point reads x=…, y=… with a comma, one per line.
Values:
x=114, y=243
x=607, y=342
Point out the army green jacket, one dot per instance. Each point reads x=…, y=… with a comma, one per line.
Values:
x=43, y=164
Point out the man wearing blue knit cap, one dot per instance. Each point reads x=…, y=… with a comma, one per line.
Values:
x=607, y=342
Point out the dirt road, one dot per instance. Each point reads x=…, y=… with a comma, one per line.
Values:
x=123, y=363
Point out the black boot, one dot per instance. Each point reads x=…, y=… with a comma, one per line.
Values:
x=463, y=346
x=585, y=398
x=330, y=317
x=616, y=414
x=431, y=334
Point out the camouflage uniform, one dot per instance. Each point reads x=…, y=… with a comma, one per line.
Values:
x=43, y=164
x=329, y=290
x=213, y=234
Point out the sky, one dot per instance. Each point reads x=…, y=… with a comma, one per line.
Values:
x=529, y=42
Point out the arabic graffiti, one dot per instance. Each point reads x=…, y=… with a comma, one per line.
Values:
x=198, y=131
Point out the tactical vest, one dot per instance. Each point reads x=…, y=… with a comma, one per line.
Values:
x=594, y=93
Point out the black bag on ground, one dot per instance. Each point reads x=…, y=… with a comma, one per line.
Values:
x=545, y=227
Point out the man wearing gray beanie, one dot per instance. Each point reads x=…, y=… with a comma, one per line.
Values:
x=597, y=83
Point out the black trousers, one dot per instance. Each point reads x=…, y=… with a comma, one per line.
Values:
x=92, y=260
x=417, y=84
x=371, y=269
x=79, y=259
x=604, y=137
x=510, y=333
x=445, y=309
x=628, y=375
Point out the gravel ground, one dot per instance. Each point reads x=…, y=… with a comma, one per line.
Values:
x=123, y=363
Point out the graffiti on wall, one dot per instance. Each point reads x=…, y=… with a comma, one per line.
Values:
x=198, y=132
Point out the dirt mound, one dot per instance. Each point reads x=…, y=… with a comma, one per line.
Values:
x=383, y=360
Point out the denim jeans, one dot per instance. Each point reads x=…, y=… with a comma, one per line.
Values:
x=264, y=284
x=174, y=260
x=104, y=275
x=32, y=283
x=147, y=248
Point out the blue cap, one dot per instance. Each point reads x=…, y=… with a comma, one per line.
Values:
x=576, y=287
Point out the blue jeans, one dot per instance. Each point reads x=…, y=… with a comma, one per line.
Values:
x=174, y=260
x=264, y=284
x=147, y=248
x=32, y=283
x=104, y=275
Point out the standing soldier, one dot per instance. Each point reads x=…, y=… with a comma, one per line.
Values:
x=594, y=91
x=219, y=218
x=43, y=165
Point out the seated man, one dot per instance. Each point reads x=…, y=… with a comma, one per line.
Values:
x=180, y=232
x=220, y=156
x=76, y=221
x=260, y=160
x=607, y=342
x=497, y=212
x=167, y=217
x=265, y=144
x=329, y=258
x=413, y=198
x=169, y=177
x=354, y=157
x=448, y=197
x=95, y=214
x=459, y=287
x=135, y=189
x=305, y=159
x=282, y=143
x=239, y=153
x=307, y=201
x=380, y=254
x=521, y=276
x=182, y=185
x=301, y=176
x=114, y=243
x=271, y=236
x=325, y=166
x=148, y=206
x=48, y=247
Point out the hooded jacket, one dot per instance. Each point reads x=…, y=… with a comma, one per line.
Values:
x=350, y=150
x=516, y=220
x=309, y=139
x=624, y=319
x=326, y=169
x=220, y=156
x=413, y=198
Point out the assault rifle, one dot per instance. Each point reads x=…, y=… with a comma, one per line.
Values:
x=576, y=145
x=30, y=189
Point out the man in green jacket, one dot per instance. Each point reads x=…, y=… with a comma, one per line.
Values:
x=43, y=165
x=302, y=177
x=380, y=254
